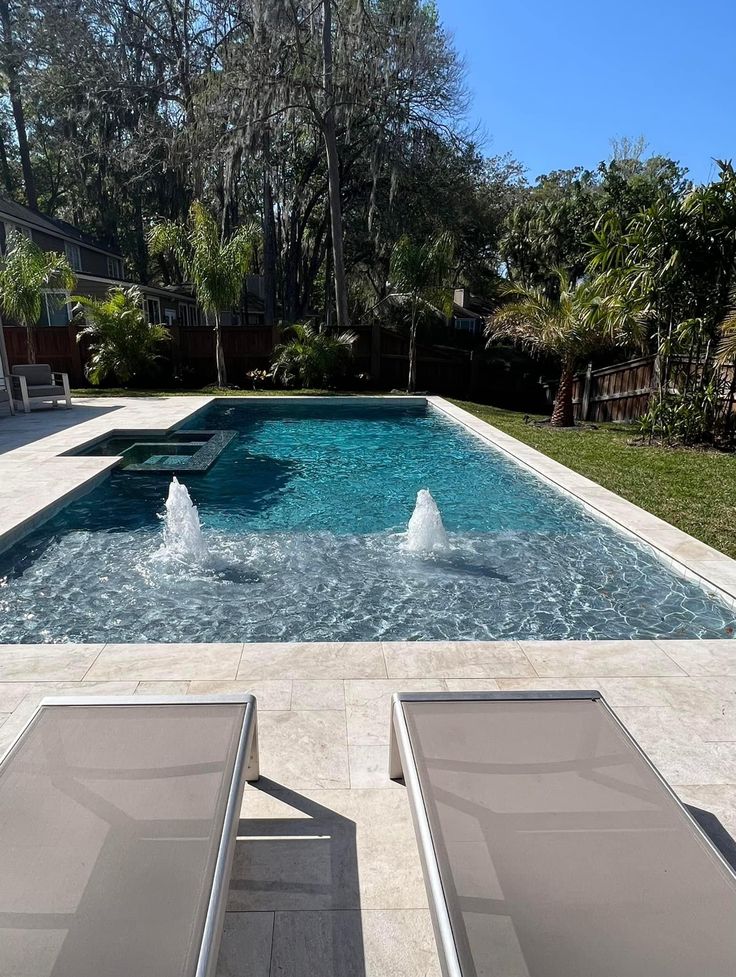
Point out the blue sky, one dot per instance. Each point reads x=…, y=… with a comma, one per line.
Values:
x=552, y=83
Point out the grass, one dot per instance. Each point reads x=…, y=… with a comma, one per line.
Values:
x=208, y=392
x=693, y=490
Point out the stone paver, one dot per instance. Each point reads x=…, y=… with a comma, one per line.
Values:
x=326, y=867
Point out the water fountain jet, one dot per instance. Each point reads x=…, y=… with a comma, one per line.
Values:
x=183, y=539
x=426, y=532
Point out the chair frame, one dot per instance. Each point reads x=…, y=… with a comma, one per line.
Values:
x=246, y=769
x=9, y=388
x=25, y=400
x=402, y=766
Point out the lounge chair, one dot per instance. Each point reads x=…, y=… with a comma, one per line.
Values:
x=6, y=400
x=118, y=819
x=37, y=383
x=551, y=846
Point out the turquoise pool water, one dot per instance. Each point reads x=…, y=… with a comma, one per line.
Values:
x=304, y=516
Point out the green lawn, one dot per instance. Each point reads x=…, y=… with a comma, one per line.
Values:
x=206, y=392
x=693, y=490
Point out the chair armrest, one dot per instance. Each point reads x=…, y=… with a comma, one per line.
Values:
x=58, y=377
x=19, y=385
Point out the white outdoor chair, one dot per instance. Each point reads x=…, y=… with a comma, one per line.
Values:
x=6, y=399
x=37, y=383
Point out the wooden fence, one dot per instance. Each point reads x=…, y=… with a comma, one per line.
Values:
x=615, y=393
x=621, y=392
x=381, y=355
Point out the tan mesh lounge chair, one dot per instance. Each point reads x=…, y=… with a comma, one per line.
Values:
x=551, y=847
x=37, y=383
x=118, y=819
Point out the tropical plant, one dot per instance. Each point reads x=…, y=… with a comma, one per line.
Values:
x=311, y=357
x=569, y=326
x=122, y=342
x=26, y=272
x=216, y=266
x=420, y=276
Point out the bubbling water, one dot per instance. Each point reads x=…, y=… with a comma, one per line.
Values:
x=183, y=539
x=426, y=532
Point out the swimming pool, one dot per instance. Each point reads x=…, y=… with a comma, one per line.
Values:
x=304, y=515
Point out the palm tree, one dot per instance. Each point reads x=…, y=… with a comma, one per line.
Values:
x=26, y=272
x=312, y=358
x=568, y=326
x=420, y=275
x=216, y=267
x=123, y=343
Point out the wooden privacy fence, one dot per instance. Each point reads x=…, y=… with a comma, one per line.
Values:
x=622, y=392
x=612, y=393
x=382, y=355
x=615, y=393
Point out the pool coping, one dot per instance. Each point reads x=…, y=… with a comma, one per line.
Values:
x=47, y=464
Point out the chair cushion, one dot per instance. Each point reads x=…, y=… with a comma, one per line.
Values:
x=35, y=373
x=45, y=390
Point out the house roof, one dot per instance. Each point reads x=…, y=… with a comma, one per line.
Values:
x=12, y=210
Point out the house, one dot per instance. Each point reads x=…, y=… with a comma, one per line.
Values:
x=468, y=312
x=97, y=267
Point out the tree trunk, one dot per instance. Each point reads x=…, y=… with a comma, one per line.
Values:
x=269, y=248
x=333, y=173
x=412, y=384
x=5, y=168
x=220, y=353
x=562, y=413
x=31, y=342
x=16, y=103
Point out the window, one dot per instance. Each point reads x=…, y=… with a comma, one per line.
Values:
x=169, y=316
x=73, y=255
x=55, y=309
x=153, y=310
x=188, y=314
x=114, y=267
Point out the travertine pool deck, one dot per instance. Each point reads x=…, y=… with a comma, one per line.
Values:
x=327, y=881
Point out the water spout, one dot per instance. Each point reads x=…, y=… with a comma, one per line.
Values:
x=183, y=539
x=425, y=532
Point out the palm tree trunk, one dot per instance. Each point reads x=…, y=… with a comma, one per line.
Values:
x=562, y=413
x=31, y=342
x=220, y=353
x=412, y=384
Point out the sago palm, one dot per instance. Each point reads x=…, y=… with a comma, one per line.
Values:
x=26, y=272
x=568, y=326
x=311, y=358
x=123, y=343
x=215, y=266
x=420, y=274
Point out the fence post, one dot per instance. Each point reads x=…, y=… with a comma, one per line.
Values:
x=585, y=405
x=77, y=370
x=375, y=353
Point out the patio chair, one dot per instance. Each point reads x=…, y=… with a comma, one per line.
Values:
x=37, y=383
x=550, y=844
x=6, y=399
x=118, y=819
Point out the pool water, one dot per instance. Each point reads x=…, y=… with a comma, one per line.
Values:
x=304, y=514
